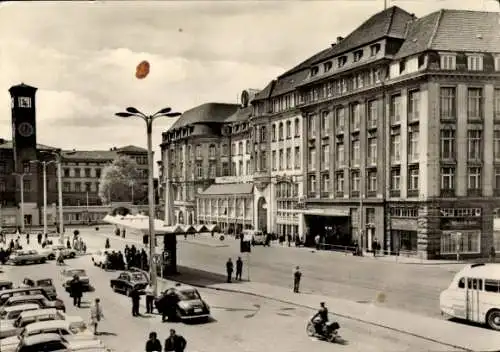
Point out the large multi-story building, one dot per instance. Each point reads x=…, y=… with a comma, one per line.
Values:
x=392, y=134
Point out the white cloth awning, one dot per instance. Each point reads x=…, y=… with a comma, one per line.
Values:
x=326, y=212
x=201, y=228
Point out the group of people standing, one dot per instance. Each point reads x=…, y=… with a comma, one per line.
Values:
x=230, y=269
x=174, y=342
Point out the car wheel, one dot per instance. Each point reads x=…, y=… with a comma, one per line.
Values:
x=310, y=329
x=493, y=319
x=72, y=255
x=113, y=287
x=42, y=261
x=51, y=257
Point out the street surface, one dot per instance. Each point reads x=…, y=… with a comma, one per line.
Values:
x=410, y=287
x=241, y=322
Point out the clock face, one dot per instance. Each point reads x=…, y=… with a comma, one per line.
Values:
x=25, y=129
x=24, y=102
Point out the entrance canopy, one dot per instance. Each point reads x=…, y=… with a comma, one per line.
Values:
x=326, y=212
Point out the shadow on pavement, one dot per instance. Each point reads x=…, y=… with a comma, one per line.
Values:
x=106, y=333
x=197, y=277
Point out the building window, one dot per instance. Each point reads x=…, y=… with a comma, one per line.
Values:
x=212, y=170
x=88, y=186
x=274, y=161
x=325, y=157
x=496, y=146
x=448, y=62
x=312, y=159
x=97, y=173
x=448, y=144
x=339, y=119
x=225, y=169
x=198, y=151
x=211, y=151
x=280, y=131
x=372, y=151
x=374, y=49
x=66, y=173
x=263, y=134
x=240, y=168
x=467, y=242
x=355, y=180
x=339, y=182
x=474, y=145
x=395, y=179
x=199, y=170
x=3, y=186
x=474, y=178
x=312, y=126
x=372, y=181
x=341, y=61
x=280, y=160
x=289, y=129
x=248, y=171
x=475, y=63
x=497, y=180
x=448, y=103
x=395, y=109
x=325, y=123
x=372, y=114
x=26, y=185
x=413, y=105
x=413, y=137
x=240, y=148
x=67, y=187
x=297, y=158
x=263, y=161
x=247, y=147
x=395, y=148
x=340, y=155
x=447, y=178
x=325, y=183
x=78, y=187
x=311, y=180
x=225, y=150
x=413, y=178
x=288, y=158
x=87, y=172
x=474, y=103
x=296, y=128
x=356, y=153
x=233, y=149
x=327, y=66
x=355, y=117
x=358, y=55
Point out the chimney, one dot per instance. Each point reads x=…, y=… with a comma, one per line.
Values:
x=339, y=39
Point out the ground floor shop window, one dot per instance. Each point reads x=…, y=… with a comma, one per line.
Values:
x=461, y=241
x=405, y=241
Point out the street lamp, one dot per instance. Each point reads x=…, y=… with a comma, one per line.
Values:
x=44, y=166
x=21, y=187
x=166, y=112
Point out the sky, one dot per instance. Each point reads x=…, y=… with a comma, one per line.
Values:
x=82, y=56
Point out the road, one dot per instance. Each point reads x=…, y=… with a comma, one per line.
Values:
x=410, y=287
x=241, y=322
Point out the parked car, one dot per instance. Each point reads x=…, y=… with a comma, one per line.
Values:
x=51, y=252
x=10, y=344
x=189, y=304
x=15, y=292
x=128, y=281
x=46, y=284
x=57, y=343
x=25, y=256
x=11, y=313
x=257, y=237
x=69, y=274
x=100, y=257
x=5, y=285
x=41, y=300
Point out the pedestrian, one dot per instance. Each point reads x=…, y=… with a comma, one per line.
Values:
x=136, y=300
x=289, y=239
x=76, y=291
x=316, y=241
x=296, y=279
x=175, y=343
x=27, y=238
x=107, y=245
x=374, y=247
x=229, y=269
x=153, y=344
x=96, y=314
x=492, y=254
x=239, y=268
x=68, y=244
x=39, y=238
x=149, y=299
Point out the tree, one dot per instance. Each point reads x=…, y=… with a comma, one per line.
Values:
x=121, y=182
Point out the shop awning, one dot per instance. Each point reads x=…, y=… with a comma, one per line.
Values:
x=326, y=212
x=228, y=189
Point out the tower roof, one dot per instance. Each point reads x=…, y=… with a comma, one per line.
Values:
x=22, y=88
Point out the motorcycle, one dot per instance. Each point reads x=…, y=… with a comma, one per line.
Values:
x=329, y=330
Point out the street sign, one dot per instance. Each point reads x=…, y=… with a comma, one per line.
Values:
x=157, y=259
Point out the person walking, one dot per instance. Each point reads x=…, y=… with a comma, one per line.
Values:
x=229, y=269
x=76, y=291
x=175, y=343
x=96, y=314
x=153, y=344
x=136, y=300
x=239, y=268
x=296, y=279
x=316, y=241
x=27, y=238
x=149, y=299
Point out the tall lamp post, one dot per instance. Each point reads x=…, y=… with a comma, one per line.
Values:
x=21, y=188
x=44, y=166
x=166, y=112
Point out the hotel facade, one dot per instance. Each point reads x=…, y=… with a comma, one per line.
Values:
x=390, y=135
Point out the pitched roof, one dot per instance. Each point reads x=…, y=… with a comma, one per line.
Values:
x=266, y=92
x=5, y=144
x=102, y=155
x=242, y=114
x=285, y=84
x=391, y=22
x=132, y=149
x=228, y=188
x=206, y=113
x=453, y=30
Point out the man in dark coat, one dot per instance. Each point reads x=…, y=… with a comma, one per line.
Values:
x=169, y=304
x=297, y=275
x=175, y=343
x=153, y=344
x=135, y=295
x=229, y=269
x=239, y=268
x=76, y=291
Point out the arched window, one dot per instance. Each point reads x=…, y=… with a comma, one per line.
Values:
x=263, y=134
x=240, y=148
x=273, y=132
x=211, y=151
x=225, y=150
x=280, y=132
x=247, y=147
x=198, y=151
x=297, y=127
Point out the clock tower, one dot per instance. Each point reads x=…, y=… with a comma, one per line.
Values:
x=23, y=125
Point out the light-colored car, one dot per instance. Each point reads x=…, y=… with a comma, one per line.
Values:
x=26, y=256
x=13, y=312
x=58, y=343
x=61, y=327
x=13, y=328
x=46, y=284
x=25, y=295
x=52, y=252
x=69, y=274
x=100, y=257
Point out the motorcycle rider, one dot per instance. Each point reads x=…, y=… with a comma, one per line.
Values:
x=322, y=314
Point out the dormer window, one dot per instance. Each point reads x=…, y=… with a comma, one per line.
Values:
x=448, y=62
x=474, y=62
x=497, y=63
x=358, y=55
x=374, y=49
x=314, y=71
x=421, y=61
x=342, y=61
x=402, y=66
x=327, y=66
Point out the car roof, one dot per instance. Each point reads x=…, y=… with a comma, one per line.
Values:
x=25, y=297
x=26, y=306
x=40, y=338
x=47, y=324
x=34, y=313
x=19, y=289
x=486, y=271
x=184, y=288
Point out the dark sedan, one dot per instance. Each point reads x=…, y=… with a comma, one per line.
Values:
x=126, y=282
x=5, y=285
x=188, y=303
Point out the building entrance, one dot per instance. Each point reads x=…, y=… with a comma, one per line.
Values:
x=333, y=230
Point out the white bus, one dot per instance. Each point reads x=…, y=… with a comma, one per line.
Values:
x=474, y=295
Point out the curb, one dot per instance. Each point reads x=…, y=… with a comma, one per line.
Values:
x=456, y=347
x=205, y=244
